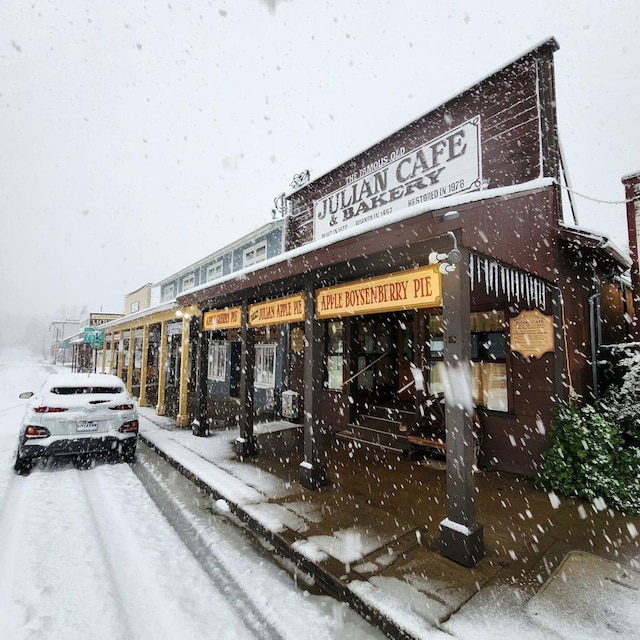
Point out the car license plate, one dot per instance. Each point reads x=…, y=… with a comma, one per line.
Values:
x=87, y=426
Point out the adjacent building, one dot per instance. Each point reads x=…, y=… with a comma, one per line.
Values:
x=154, y=349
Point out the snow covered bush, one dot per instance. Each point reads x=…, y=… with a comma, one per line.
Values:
x=594, y=450
x=623, y=403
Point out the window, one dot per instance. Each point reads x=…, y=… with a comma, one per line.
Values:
x=256, y=254
x=217, y=369
x=137, y=354
x=169, y=292
x=189, y=281
x=334, y=354
x=265, y=366
x=214, y=270
x=71, y=391
x=135, y=306
x=489, y=354
x=488, y=359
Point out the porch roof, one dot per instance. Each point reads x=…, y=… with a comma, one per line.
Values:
x=311, y=256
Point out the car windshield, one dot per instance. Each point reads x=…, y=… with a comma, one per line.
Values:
x=69, y=391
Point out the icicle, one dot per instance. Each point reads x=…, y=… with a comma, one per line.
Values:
x=472, y=275
x=486, y=276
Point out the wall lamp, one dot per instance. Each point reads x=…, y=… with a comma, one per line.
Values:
x=447, y=261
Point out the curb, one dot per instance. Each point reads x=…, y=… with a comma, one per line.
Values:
x=327, y=582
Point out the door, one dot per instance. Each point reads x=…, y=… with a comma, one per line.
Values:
x=383, y=348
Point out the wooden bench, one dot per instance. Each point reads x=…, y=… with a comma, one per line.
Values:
x=419, y=441
x=431, y=434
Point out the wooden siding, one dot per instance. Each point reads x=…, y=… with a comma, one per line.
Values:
x=509, y=105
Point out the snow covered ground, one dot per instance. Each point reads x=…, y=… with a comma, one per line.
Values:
x=588, y=597
x=88, y=554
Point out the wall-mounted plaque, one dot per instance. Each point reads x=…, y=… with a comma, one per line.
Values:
x=532, y=334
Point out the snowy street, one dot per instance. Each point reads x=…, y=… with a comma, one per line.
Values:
x=87, y=553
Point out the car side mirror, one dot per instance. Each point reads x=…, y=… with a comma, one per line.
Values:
x=25, y=395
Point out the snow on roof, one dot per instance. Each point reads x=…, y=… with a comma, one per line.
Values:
x=602, y=242
x=219, y=253
x=81, y=379
x=164, y=306
x=449, y=202
x=631, y=176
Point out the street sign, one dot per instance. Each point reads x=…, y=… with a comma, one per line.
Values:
x=93, y=336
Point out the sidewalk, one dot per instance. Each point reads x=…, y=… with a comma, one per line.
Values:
x=554, y=568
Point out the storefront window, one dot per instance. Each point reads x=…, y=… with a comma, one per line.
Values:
x=334, y=354
x=265, y=365
x=217, y=369
x=488, y=359
x=137, y=354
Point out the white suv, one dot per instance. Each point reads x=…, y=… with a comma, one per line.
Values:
x=78, y=414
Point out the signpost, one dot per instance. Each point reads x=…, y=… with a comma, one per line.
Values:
x=94, y=336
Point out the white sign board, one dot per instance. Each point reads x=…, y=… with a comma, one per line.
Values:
x=444, y=166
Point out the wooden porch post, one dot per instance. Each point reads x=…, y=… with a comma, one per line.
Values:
x=112, y=355
x=142, y=401
x=132, y=354
x=461, y=537
x=162, y=369
x=120, y=354
x=419, y=340
x=182, y=419
x=313, y=473
x=201, y=428
x=245, y=443
x=104, y=353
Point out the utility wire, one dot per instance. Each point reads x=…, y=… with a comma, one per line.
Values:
x=581, y=195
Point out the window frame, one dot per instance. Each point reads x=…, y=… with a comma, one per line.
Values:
x=482, y=357
x=249, y=262
x=189, y=281
x=169, y=292
x=263, y=378
x=217, y=266
x=333, y=353
x=215, y=371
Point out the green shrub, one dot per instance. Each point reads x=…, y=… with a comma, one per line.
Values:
x=589, y=456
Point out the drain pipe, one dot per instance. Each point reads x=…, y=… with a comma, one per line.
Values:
x=595, y=331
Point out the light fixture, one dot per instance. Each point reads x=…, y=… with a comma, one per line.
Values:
x=447, y=261
x=450, y=215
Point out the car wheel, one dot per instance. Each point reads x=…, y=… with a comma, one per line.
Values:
x=22, y=465
x=128, y=452
x=84, y=462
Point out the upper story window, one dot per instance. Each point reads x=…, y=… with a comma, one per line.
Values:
x=189, y=281
x=214, y=270
x=135, y=306
x=256, y=254
x=169, y=292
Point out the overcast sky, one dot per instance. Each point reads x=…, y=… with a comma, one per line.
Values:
x=138, y=137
